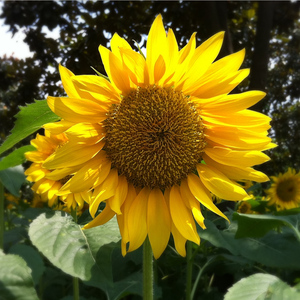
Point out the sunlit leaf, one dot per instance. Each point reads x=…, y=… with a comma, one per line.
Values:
x=15, y=279
x=261, y=286
x=15, y=158
x=83, y=254
x=30, y=118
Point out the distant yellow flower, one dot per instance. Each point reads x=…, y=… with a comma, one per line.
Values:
x=47, y=181
x=158, y=137
x=245, y=208
x=285, y=190
x=12, y=200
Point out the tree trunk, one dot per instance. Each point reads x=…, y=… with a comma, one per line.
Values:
x=259, y=66
x=216, y=14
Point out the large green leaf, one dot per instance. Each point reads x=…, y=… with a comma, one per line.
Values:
x=261, y=286
x=85, y=254
x=280, y=250
x=30, y=118
x=258, y=225
x=15, y=279
x=32, y=258
x=12, y=179
x=15, y=158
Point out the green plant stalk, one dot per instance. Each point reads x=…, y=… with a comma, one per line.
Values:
x=189, y=270
x=75, y=279
x=1, y=215
x=199, y=276
x=147, y=271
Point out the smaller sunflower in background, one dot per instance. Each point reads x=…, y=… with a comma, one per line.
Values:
x=285, y=190
x=12, y=201
x=47, y=182
x=245, y=208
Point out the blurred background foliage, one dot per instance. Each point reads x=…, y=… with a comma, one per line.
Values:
x=270, y=32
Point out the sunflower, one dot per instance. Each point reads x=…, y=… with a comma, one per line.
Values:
x=159, y=136
x=285, y=190
x=48, y=182
x=245, y=208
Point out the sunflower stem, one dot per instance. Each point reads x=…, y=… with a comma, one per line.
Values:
x=75, y=279
x=147, y=271
x=189, y=270
x=1, y=215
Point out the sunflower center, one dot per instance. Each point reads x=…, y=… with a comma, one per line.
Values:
x=286, y=190
x=155, y=137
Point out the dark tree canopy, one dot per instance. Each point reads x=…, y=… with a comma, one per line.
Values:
x=270, y=32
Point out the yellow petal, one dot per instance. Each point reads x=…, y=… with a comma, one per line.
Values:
x=188, y=50
x=193, y=203
x=42, y=186
x=137, y=216
x=86, y=196
x=224, y=66
x=85, y=133
x=159, y=69
x=65, y=76
x=104, y=191
x=235, y=158
x=58, y=127
x=36, y=156
x=52, y=193
x=36, y=172
x=248, y=119
x=179, y=241
x=237, y=138
x=118, y=198
x=117, y=43
x=219, y=184
x=201, y=194
x=59, y=174
x=203, y=57
x=136, y=67
x=122, y=219
x=115, y=71
x=215, y=87
x=233, y=102
x=77, y=110
x=158, y=222
x=91, y=174
x=97, y=87
x=182, y=217
x=102, y=218
x=75, y=153
x=236, y=173
x=156, y=45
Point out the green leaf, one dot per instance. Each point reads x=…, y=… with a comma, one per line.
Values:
x=261, y=286
x=258, y=225
x=15, y=279
x=30, y=118
x=12, y=179
x=15, y=158
x=129, y=285
x=32, y=258
x=80, y=253
x=280, y=250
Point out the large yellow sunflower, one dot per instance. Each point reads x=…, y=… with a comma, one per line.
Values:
x=48, y=182
x=285, y=190
x=159, y=136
